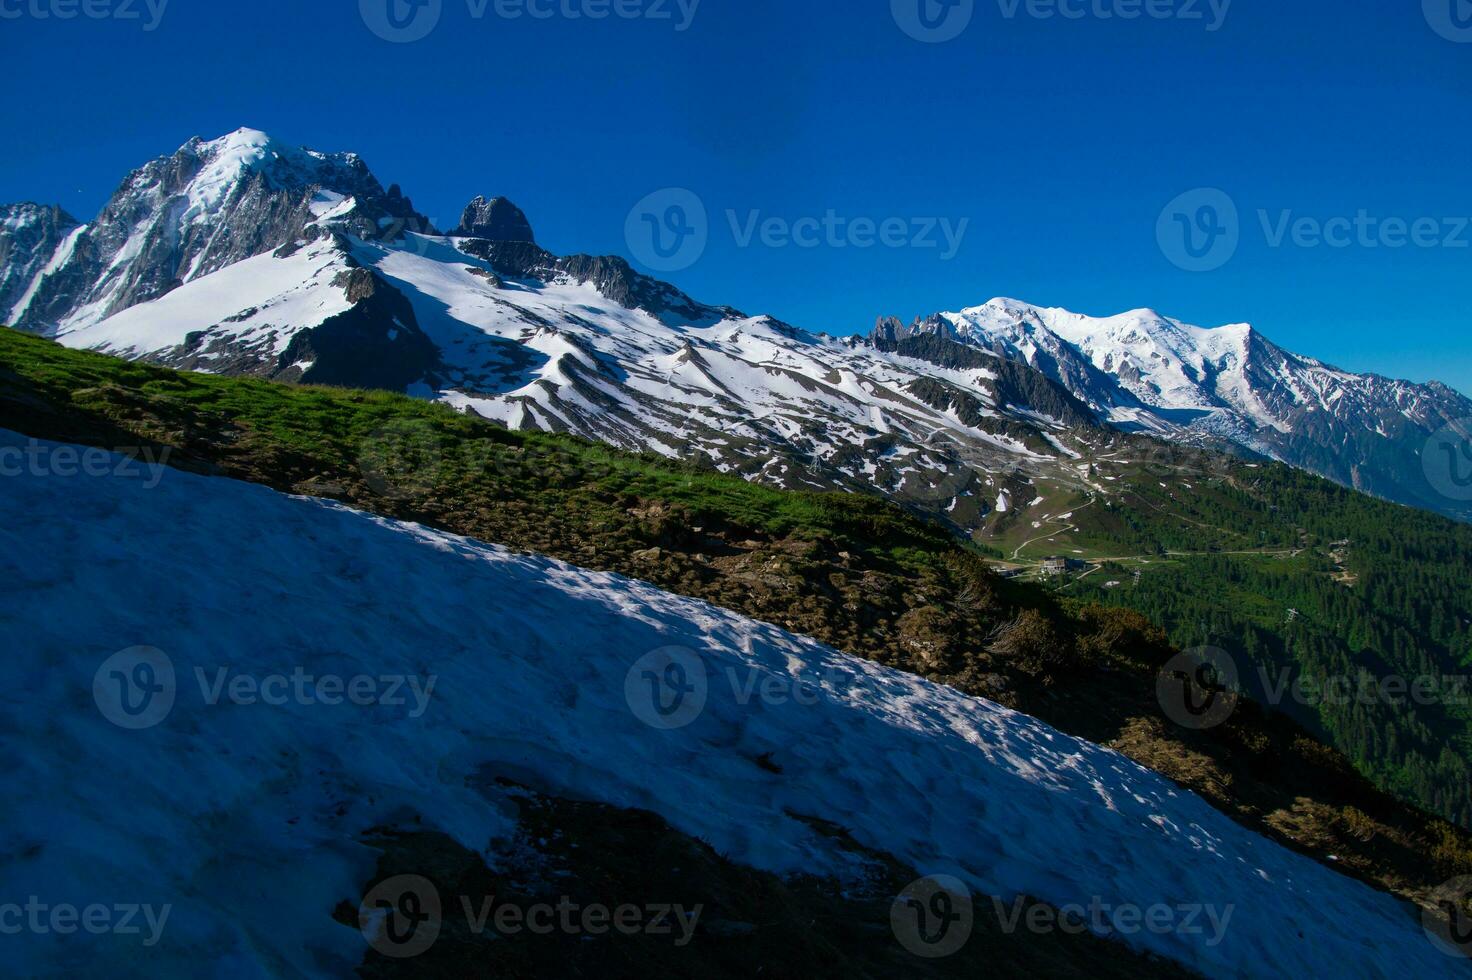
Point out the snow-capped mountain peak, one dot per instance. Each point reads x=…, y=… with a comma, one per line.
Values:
x=209, y=205
x=229, y=159
x=1142, y=370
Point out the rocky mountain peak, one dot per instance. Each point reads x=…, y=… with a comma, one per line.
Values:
x=496, y=220
x=206, y=206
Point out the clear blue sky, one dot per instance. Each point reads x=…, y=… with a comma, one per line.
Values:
x=1060, y=140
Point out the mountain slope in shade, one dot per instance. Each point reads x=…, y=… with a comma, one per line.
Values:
x=252, y=821
x=1143, y=371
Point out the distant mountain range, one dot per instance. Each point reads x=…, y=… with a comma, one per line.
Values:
x=243, y=255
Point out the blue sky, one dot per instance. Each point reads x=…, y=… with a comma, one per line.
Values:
x=1059, y=140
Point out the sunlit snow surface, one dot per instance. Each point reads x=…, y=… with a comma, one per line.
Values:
x=247, y=819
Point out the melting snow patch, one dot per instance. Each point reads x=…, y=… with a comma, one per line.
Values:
x=247, y=819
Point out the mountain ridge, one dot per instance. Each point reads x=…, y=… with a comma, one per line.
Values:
x=493, y=323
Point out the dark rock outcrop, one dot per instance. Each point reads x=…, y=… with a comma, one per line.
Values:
x=496, y=220
x=609, y=274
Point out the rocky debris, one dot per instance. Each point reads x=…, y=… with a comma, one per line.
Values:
x=488, y=276
x=359, y=284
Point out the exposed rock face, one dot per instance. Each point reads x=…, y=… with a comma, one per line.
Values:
x=207, y=206
x=32, y=237
x=496, y=220
x=609, y=274
x=1012, y=384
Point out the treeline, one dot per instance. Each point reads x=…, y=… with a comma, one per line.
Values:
x=1377, y=601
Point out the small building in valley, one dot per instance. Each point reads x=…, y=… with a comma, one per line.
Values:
x=1055, y=566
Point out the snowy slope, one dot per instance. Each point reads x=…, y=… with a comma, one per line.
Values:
x=246, y=819
x=265, y=299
